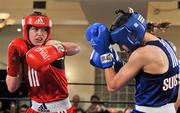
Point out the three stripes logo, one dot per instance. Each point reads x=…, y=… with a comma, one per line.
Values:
x=140, y=19
x=33, y=77
x=43, y=108
x=39, y=21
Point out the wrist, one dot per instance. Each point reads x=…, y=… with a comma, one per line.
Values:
x=107, y=60
x=60, y=48
x=107, y=57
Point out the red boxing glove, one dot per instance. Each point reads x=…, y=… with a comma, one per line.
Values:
x=40, y=56
x=16, y=50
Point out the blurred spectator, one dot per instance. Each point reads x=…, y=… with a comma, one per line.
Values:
x=75, y=104
x=127, y=110
x=115, y=110
x=79, y=111
x=23, y=108
x=13, y=107
x=120, y=111
x=96, y=106
x=1, y=110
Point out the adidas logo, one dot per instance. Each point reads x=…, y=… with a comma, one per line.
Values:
x=43, y=108
x=141, y=19
x=39, y=21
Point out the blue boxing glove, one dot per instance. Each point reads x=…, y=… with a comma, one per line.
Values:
x=98, y=37
x=96, y=61
x=101, y=61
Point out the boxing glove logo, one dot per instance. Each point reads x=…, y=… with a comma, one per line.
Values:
x=42, y=52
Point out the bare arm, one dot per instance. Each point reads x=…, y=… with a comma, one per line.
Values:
x=126, y=73
x=177, y=104
x=71, y=48
x=13, y=83
x=16, y=50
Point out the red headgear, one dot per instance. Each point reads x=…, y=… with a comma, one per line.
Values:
x=36, y=20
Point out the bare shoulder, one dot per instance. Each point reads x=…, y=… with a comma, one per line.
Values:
x=141, y=56
x=151, y=58
x=147, y=52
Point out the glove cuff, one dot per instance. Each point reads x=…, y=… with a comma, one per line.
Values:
x=107, y=60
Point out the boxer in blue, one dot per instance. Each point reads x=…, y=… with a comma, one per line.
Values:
x=152, y=62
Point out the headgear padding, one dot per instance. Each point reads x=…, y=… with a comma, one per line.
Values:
x=128, y=29
x=36, y=21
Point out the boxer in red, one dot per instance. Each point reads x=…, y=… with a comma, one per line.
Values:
x=40, y=61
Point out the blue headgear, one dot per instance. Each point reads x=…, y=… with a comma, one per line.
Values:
x=128, y=29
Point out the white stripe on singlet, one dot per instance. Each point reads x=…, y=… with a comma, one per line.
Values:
x=168, y=108
x=171, y=52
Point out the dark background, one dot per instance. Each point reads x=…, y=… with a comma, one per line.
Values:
x=5, y=94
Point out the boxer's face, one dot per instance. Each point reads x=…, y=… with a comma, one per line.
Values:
x=38, y=35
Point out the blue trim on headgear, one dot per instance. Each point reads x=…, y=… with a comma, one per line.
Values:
x=131, y=33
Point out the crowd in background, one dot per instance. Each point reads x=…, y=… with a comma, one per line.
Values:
x=13, y=108
x=96, y=106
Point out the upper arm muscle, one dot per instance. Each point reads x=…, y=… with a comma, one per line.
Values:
x=129, y=70
x=71, y=48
